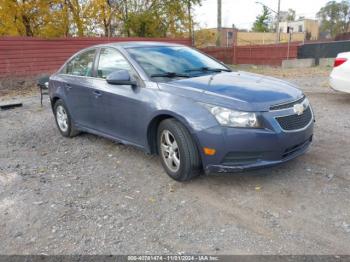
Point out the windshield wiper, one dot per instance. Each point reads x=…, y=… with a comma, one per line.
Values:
x=208, y=69
x=170, y=75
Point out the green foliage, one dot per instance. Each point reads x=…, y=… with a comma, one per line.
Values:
x=291, y=15
x=54, y=18
x=335, y=17
x=158, y=18
x=205, y=37
x=262, y=21
x=145, y=24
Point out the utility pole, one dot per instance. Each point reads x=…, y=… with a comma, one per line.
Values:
x=278, y=22
x=218, y=39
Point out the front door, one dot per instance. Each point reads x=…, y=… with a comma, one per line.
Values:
x=120, y=109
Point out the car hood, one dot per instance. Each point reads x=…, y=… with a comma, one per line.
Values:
x=237, y=90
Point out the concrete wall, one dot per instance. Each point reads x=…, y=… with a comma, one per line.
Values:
x=257, y=38
x=326, y=62
x=207, y=37
x=298, y=63
x=313, y=28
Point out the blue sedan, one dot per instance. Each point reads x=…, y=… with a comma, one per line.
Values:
x=172, y=100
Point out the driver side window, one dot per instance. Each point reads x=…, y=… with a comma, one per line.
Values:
x=111, y=60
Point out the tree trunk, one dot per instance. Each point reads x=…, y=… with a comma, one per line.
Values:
x=75, y=10
x=126, y=18
x=65, y=19
x=27, y=26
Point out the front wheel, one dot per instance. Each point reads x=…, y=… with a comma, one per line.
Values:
x=178, y=152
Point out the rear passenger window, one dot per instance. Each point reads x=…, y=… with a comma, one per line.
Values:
x=82, y=64
x=111, y=60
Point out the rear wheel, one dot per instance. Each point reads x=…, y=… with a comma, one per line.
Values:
x=64, y=120
x=178, y=152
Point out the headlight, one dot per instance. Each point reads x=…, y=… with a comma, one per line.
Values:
x=232, y=118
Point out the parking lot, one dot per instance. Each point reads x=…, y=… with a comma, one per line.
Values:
x=89, y=195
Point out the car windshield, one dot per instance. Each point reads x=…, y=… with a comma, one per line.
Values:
x=164, y=63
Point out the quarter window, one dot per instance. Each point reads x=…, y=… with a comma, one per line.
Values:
x=111, y=60
x=82, y=64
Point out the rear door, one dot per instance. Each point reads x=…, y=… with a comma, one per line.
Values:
x=78, y=83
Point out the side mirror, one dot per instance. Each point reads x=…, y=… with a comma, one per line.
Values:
x=120, y=77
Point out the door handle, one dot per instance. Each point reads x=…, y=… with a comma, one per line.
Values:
x=97, y=94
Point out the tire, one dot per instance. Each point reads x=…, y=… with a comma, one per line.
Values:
x=64, y=120
x=183, y=163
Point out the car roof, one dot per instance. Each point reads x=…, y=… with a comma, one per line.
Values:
x=136, y=44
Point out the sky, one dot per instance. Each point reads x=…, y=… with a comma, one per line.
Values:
x=242, y=13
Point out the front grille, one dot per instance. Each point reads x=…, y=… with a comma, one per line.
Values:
x=287, y=105
x=295, y=122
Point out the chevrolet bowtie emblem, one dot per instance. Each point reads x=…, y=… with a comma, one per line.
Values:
x=298, y=109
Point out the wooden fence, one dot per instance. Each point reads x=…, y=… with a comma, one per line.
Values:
x=255, y=54
x=223, y=54
x=23, y=56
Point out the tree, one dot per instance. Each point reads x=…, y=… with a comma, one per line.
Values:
x=157, y=17
x=31, y=18
x=205, y=37
x=106, y=13
x=190, y=4
x=262, y=21
x=335, y=17
x=81, y=14
x=291, y=15
x=53, y=18
x=140, y=18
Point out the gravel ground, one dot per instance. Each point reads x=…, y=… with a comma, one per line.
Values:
x=89, y=195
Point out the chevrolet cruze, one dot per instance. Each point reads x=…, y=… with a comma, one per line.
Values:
x=172, y=100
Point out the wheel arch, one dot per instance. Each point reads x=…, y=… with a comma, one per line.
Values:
x=54, y=100
x=153, y=128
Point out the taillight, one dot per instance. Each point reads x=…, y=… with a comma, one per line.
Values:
x=339, y=61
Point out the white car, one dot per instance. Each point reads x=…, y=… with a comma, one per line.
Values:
x=340, y=76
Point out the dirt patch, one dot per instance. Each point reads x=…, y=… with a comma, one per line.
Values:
x=14, y=86
x=89, y=195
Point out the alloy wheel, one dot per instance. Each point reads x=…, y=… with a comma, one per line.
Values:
x=170, y=150
x=62, y=118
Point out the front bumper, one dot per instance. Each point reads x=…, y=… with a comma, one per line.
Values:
x=239, y=149
x=222, y=168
